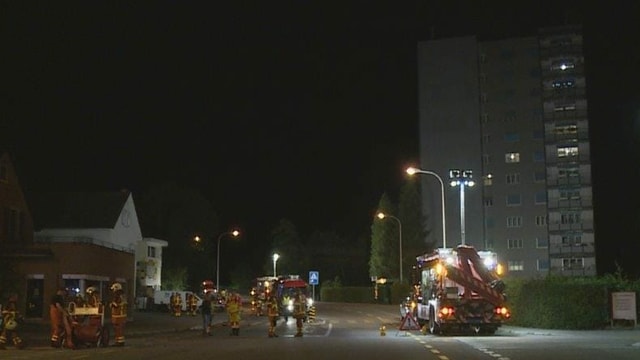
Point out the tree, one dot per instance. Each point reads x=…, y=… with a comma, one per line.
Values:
x=384, y=256
x=414, y=233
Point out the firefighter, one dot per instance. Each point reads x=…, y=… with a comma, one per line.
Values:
x=299, y=311
x=60, y=323
x=177, y=304
x=9, y=327
x=285, y=304
x=93, y=301
x=193, y=304
x=233, y=310
x=118, y=313
x=273, y=311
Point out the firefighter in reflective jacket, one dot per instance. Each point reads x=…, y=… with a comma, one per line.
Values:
x=9, y=326
x=177, y=304
x=299, y=311
x=273, y=311
x=233, y=310
x=118, y=313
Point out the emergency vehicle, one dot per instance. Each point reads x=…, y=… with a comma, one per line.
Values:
x=287, y=287
x=459, y=290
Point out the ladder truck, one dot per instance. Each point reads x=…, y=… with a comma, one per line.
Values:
x=460, y=290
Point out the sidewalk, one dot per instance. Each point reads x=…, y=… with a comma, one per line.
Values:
x=36, y=333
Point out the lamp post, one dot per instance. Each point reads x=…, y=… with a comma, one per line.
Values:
x=275, y=260
x=233, y=233
x=461, y=178
x=382, y=215
x=412, y=171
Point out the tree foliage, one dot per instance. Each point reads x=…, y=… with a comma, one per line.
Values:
x=414, y=233
x=383, y=235
x=286, y=242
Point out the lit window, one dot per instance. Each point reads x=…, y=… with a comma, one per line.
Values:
x=570, y=129
x=515, y=265
x=567, y=151
x=511, y=158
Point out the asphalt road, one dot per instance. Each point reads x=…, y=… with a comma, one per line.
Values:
x=340, y=331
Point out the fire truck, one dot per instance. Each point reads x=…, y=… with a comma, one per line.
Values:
x=460, y=290
x=260, y=292
x=287, y=287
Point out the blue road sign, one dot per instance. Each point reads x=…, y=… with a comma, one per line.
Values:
x=314, y=277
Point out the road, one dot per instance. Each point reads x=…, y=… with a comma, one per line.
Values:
x=345, y=331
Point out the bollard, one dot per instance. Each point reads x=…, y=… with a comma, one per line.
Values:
x=311, y=314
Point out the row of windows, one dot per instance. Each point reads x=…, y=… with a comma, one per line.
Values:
x=563, y=84
x=566, y=218
x=514, y=179
x=514, y=157
x=516, y=199
x=543, y=264
x=511, y=116
x=514, y=136
x=541, y=243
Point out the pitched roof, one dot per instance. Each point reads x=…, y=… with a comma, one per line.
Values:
x=77, y=210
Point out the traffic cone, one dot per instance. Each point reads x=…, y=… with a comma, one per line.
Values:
x=423, y=329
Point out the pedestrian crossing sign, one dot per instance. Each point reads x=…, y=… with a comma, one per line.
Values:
x=314, y=277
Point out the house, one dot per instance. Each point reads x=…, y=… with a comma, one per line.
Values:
x=72, y=240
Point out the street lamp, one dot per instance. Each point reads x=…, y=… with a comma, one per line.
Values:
x=233, y=233
x=275, y=260
x=461, y=178
x=412, y=171
x=382, y=215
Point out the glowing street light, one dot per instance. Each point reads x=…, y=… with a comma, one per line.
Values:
x=381, y=216
x=461, y=178
x=234, y=233
x=412, y=171
x=275, y=260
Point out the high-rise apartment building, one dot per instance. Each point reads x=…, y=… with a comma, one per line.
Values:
x=512, y=113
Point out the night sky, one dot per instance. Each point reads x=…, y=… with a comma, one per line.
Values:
x=280, y=109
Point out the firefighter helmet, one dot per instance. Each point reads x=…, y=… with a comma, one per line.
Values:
x=90, y=290
x=11, y=324
x=116, y=287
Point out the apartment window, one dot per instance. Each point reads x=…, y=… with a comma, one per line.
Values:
x=570, y=218
x=567, y=151
x=486, y=138
x=486, y=159
x=572, y=263
x=511, y=137
x=12, y=225
x=514, y=200
x=512, y=179
x=514, y=244
x=572, y=239
x=515, y=265
x=483, y=98
x=540, y=197
x=563, y=84
x=566, y=129
x=488, y=201
x=568, y=172
x=541, y=220
x=562, y=65
x=543, y=264
x=484, y=118
x=538, y=156
x=564, y=107
x=569, y=194
x=512, y=158
x=151, y=251
x=542, y=243
x=514, y=221
x=539, y=176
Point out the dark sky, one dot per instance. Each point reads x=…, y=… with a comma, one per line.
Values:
x=298, y=109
